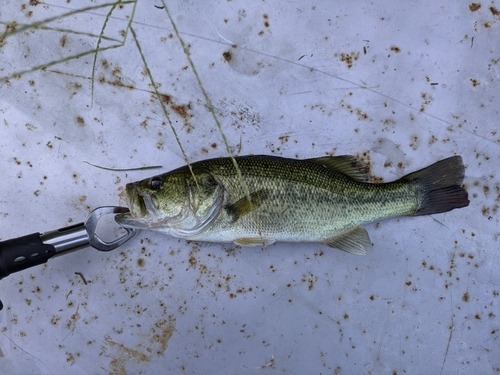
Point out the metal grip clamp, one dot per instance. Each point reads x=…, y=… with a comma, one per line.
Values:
x=18, y=254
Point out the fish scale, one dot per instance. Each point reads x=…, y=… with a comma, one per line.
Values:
x=319, y=201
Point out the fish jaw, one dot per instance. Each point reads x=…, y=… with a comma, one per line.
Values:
x=136, y=200
x=144, y=211
x=141, y=209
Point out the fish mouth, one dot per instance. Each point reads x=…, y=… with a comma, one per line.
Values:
x=138, y=208
x=137, y=204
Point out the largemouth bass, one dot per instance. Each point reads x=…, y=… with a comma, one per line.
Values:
x=322, y=200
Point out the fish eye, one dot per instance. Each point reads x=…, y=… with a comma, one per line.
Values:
x=156, y=183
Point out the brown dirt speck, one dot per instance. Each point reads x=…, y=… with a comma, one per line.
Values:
x=284, y=138
x=266, y=19
x=181, y=110
x=494, y=11
x=80, y=120
x=465, y=297
x=228, y=56
x=11, y=26
x=361, y=115
x=167, y=99
x=395, y=49
x=349, y=58
x=474, y=6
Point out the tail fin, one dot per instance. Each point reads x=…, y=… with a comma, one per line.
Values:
x=440, y=185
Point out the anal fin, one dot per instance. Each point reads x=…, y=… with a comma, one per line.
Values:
x=356, y=241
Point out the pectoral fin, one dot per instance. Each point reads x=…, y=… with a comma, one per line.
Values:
x=254, y=241
x=356, y=241
x=243, y=207
x=345, y=164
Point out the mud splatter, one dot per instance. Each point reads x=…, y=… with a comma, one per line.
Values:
x=162, y=331
x=121, y=355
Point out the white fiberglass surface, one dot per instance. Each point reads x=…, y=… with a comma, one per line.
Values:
x=400, y=85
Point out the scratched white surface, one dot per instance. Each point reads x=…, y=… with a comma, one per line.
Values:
x=400, y=85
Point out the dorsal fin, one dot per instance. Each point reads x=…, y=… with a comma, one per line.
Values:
x=345, y=164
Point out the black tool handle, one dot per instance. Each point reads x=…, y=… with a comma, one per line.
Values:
x=35, y=249
x=21, y=253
